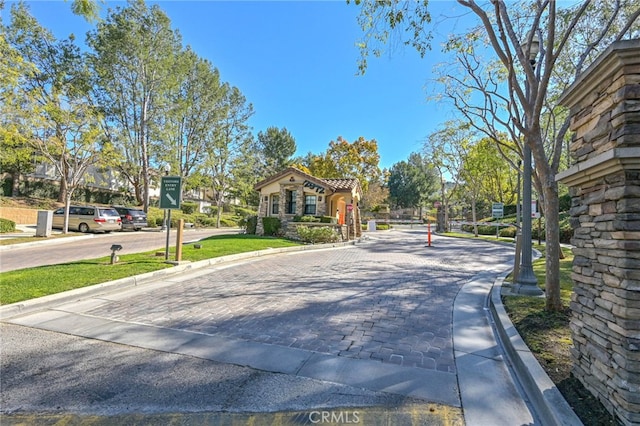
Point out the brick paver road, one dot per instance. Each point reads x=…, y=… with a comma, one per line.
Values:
x=389, y=299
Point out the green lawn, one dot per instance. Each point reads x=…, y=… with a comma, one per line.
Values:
x=24, y=284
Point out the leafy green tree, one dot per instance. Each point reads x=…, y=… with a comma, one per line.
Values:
x=133, y=60
x=181, y=135
x=485, y=175
x=232, y=133
x=278, y=147
x=16, y=155
x=58, y=120
x=412, y=182
x=246, y=172
x=342, y=159
x=446, y=148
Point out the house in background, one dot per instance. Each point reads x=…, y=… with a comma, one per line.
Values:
x=293, y=192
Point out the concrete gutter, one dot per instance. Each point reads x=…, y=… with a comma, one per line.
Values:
x=544, y=396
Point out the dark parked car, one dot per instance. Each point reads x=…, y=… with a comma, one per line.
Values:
x=132, y=218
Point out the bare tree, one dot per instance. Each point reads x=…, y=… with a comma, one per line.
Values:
x=519, y=96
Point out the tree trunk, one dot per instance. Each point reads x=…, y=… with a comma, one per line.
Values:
x=474, y=216
x=552, y=234
x=219, y=213
x=15, y=184
x=67, y=204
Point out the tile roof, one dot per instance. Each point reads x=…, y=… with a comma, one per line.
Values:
x=344, y=184
x=341, y=184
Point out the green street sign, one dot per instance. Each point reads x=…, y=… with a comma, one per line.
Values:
x=170, y=190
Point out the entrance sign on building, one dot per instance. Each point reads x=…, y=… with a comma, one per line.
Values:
x=170, y=190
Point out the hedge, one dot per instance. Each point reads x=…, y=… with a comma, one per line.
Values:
x=271, y=225
x=317, y=234
x=7, y=225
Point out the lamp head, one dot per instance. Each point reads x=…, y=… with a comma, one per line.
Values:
x=167, y=168
x=531, y=49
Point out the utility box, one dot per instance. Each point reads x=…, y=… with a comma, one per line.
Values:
x=45, y=221
x=371, y=225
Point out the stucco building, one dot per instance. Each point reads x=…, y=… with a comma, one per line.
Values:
x=293, y=192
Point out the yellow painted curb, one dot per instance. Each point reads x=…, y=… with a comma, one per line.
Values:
x=412, y=415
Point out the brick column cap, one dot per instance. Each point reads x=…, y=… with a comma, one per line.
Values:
x=604, y=164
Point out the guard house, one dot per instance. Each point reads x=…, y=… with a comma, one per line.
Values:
x=293, y=192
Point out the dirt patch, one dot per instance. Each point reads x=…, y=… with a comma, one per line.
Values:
x=548, y=336
x=30, y=203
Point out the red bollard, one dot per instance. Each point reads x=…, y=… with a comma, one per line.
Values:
x=428, y=235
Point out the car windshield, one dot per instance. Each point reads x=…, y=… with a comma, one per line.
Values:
x=137, y=213
x=108, y=212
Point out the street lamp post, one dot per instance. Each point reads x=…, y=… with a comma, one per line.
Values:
x=527, y=283
x=516, y=263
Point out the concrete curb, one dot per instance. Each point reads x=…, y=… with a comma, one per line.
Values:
x=46, y=242
x=32, y=305
x=549, y=404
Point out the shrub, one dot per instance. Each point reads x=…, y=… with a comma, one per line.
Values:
x=207, y=221
x=243, y=212
x=327, y=219
x=566, y=232
x=211, y=210
x=228, y=221
x=306, y=219
x=317, y=234
x=508, y=232
x=564, y=203
x=483, y=229
x=7, y=225
x=189, y=208
x=271, y=225
x=249, y=224
x=382, y=226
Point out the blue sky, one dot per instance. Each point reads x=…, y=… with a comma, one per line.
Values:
x=296, y=62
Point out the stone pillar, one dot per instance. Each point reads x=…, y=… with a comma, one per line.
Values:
x=263, y=210
x=300, y=200
x=321, y=206
x=605, y=214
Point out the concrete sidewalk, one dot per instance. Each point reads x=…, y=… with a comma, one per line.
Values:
x=480, y=382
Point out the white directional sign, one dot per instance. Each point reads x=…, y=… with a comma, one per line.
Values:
x=170, y=189
x=535, y=214
x=497, y=210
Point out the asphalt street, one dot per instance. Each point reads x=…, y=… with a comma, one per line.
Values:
x=365, y=331
x=91, y=246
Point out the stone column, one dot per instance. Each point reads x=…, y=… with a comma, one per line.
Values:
x=263, y=209
x=605, y=215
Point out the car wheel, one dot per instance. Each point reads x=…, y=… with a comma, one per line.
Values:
x=137, y=229
x=83, y=227
x=107, y=232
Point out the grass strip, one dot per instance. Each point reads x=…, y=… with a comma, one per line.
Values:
x=25, y=284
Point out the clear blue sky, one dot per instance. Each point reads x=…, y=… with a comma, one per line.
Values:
x=296, y=62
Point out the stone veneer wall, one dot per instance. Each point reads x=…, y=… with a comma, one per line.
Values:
x=605, y=214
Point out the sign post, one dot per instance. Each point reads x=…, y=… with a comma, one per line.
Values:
x=497, y=212
x=170, y=195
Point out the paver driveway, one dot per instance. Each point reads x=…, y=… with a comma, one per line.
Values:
x=389, y=299
x=359, y=326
